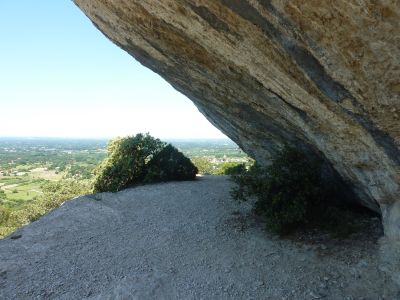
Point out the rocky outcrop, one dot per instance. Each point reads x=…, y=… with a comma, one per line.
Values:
x=322, y=75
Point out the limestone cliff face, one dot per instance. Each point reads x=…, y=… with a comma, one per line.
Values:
x=322, y=75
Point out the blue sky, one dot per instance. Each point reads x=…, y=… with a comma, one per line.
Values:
x=59, y=76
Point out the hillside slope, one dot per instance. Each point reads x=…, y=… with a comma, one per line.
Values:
x=186, y=240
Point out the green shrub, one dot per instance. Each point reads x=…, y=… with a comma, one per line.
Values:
x=140, y=159
x=125, y=163
x=4, y=214
x=288, y=192
x=26, y=215
x=170, y=164
x=55, y=193
x=232, y=168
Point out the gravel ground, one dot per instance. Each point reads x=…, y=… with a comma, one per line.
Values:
x=186, y=240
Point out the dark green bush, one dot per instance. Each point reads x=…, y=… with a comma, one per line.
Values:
x=140, y=159
x=170, y=164
x=126, y=162
x=234, y=169
x=288, y=192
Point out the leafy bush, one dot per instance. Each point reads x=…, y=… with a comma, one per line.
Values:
x=4, y=214
x=125, y=163
x=233, y=168
x=55, y=193
x=140, y=159
x=25, y=215
x=288, y=193
x=170, y=164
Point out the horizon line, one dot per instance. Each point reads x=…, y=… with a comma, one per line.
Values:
x=108, y=138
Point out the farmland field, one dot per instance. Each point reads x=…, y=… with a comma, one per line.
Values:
x=37, y=174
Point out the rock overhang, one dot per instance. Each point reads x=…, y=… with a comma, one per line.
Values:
x=318, y=75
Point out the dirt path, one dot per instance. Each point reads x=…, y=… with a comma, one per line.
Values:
x=185, y=240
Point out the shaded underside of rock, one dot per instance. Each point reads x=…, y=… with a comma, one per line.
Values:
x=320, y=75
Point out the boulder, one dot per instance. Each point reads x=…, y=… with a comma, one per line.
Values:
x=321, y=75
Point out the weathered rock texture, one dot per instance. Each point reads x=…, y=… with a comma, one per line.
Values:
x=323, y=75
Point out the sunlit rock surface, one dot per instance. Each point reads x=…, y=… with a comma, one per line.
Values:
x=322, y=75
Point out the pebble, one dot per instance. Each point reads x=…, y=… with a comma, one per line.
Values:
x=315, y=295
x=363, y=264
x=259, y=283
x=335, y=275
